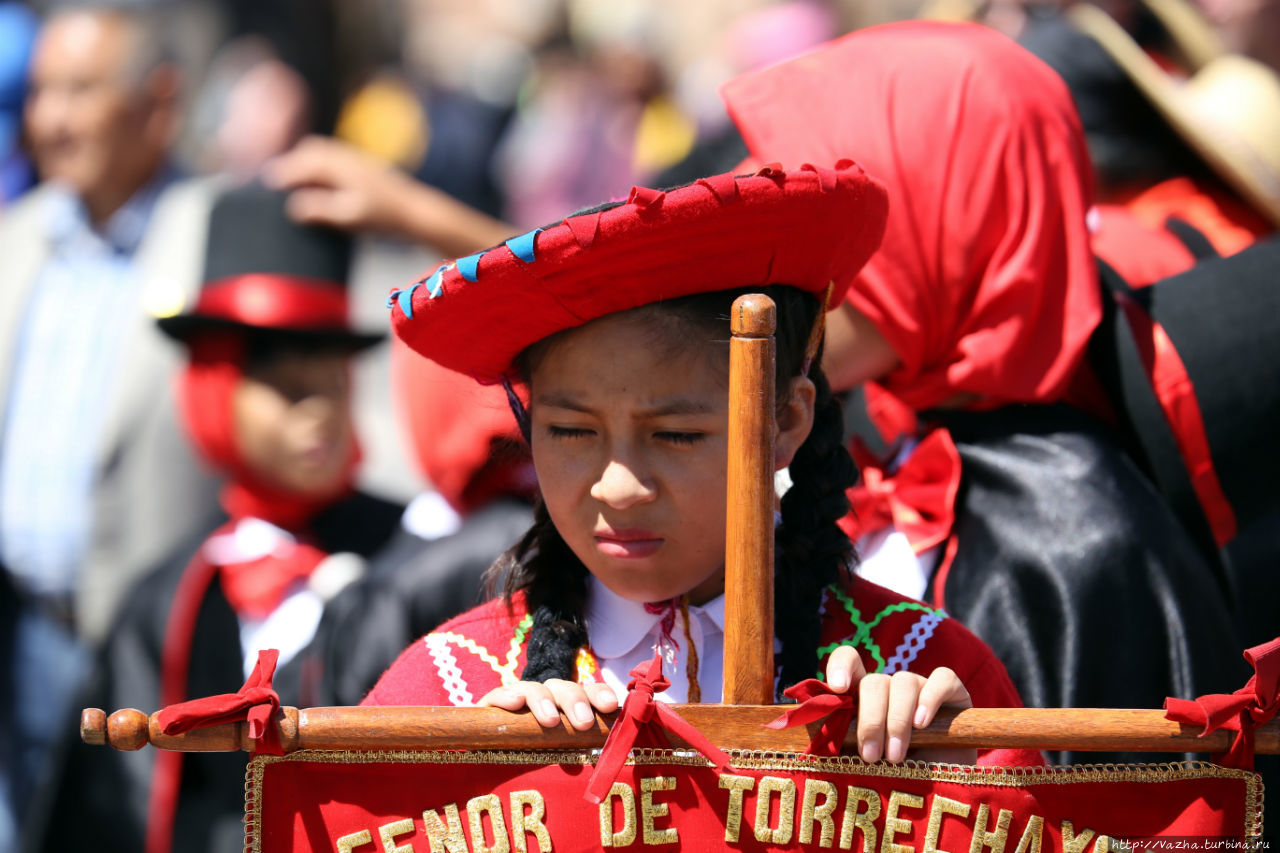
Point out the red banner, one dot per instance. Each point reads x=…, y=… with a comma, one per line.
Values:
x=532, y=802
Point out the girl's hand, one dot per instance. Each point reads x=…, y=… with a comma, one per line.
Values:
x=547, y=700
x=890, y=707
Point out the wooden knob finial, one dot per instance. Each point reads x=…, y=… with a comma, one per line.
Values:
x=127, y=729
x=753, y=316
x=93, y=726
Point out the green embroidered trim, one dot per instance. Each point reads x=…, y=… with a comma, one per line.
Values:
x=862, y=636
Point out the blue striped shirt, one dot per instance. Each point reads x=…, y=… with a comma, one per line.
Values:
x=65, y=375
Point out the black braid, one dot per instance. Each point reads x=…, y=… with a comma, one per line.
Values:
x=555, y=585
x=811, y=549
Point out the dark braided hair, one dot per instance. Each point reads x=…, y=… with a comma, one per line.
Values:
x=812, y=551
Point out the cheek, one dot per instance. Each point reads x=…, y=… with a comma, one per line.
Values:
x=259, y=418
x=561, y=473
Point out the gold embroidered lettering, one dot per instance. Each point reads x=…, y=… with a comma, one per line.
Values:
x=864, y=821
x=626, y=836
x=1072, y=843
x=786, y=791
x=894, y=824
x=994, y=839
x=352, y=840
x=477, y=808
x=1031, y=836
x=811, y=812
x=444, y=839
x=650, y=810
x=534, y=821
x=941, y=806
x=388, y=831
x=735, y=785
x=1103, y=844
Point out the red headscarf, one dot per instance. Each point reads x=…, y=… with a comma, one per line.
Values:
x=985, y=283
x=455, y=425
x=206, y=389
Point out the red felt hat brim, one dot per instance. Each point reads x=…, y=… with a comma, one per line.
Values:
x=805, y=228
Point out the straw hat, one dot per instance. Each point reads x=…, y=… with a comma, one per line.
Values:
x=1189, y=31
x=1228, y=111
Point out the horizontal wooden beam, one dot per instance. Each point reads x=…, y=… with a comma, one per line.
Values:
x=738, y=727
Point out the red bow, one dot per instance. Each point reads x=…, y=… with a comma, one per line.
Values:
x=644, y=715
x=256, y=702
x=1242, y=711
x=817, y=700
x=918, y=499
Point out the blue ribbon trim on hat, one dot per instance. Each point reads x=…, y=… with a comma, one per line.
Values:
x=433, y=284
x=469, y=266
x=522, y=246
x=405, y=298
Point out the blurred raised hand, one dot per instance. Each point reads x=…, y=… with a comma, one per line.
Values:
x=335, y=184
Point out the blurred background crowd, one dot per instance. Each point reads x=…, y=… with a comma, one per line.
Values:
x=423, y=129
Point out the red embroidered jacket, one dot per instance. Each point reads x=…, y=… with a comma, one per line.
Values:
x=484, y=648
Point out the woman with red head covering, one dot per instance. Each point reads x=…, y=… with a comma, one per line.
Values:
x=266, y=399
x=1028, y=521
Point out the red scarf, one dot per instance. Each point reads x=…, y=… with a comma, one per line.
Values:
x=985, y=284
x=254, y=586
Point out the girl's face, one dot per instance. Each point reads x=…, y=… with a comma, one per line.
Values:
x=292, y=421
x=629, y=438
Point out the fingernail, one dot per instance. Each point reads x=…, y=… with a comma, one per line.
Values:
x=839, y=680
x=548, y=709
x=922, y=715
x=582, y=713
x=871, y=751
x=897, y=750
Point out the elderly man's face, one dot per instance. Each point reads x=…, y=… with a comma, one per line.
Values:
x=88, y=113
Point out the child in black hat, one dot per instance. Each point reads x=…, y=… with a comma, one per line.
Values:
x=266, y=400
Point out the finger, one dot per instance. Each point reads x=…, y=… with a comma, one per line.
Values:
x=311, y=161
x=573, y=699
x=504, y=698
x=318, y=206
x=942, y=689
x=844, y=669
x=602, y=697
x=904, y=692
x=538, y=699
x=873, y=705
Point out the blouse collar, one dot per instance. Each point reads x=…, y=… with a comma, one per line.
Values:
x=616, y=625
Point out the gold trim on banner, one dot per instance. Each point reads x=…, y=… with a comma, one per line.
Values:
x=1007, y=777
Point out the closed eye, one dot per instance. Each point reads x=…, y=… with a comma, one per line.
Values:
x=684, y=438
x=567, y=433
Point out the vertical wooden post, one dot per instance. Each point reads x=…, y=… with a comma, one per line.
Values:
x=748, y=630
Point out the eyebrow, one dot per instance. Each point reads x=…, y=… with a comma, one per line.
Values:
x=670, y=406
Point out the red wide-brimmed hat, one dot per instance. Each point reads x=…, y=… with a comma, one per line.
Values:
x=806, y=228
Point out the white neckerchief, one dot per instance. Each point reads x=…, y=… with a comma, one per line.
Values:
x=623, y=635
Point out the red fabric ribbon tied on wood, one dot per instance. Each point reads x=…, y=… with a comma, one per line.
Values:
x=918, y=499
x=817, y=701
x=1243, y=711
x=646, y=719
x=256, y=702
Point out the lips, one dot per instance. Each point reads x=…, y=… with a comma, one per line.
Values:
x=630, y=544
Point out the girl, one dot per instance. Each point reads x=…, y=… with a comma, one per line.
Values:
x=614, y=322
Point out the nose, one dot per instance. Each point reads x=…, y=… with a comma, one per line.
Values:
x=620, y=486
